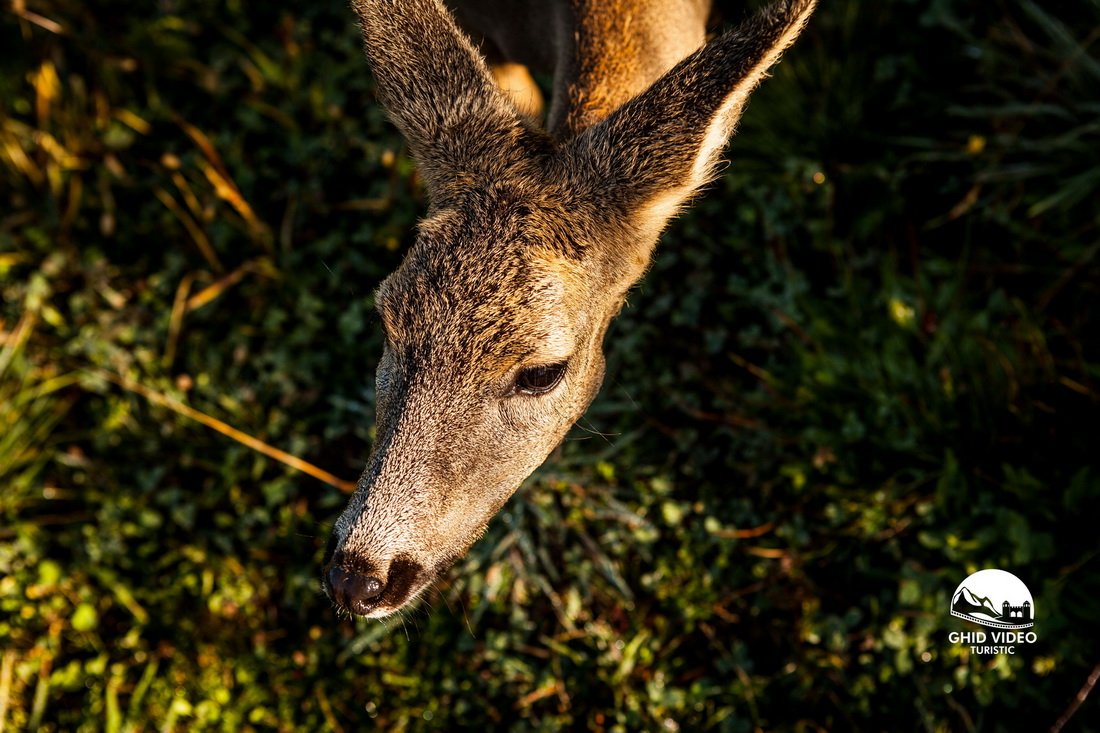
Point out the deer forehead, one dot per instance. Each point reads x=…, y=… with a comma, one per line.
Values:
x=453, y=303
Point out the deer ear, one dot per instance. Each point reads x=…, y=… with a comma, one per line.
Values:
x=653, y=153
x=437, y=89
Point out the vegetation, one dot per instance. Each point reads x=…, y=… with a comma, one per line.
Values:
x=865, y=365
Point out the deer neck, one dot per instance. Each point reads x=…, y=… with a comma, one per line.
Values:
x=601, y=53
x=609, y=51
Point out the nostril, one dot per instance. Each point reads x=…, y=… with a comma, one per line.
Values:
x=353, y=591
x=372, y=587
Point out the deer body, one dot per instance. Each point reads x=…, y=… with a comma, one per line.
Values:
x=495, y=319
x=601, y=53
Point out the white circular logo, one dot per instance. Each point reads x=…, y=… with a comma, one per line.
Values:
x=994, y=598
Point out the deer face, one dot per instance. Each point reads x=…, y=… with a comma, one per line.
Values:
x=495, y=318
x=492, y=353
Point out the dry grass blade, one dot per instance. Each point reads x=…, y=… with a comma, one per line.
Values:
x=184, y=303
x=210, y=292
x=207, y=147
x=769, y=552
x=535, y=695
x=7, y=665
x=744, y=534
x=215, y=170
x=1078, y=700
x=326, y=710
x=133, y=121
x=42, y=687
x=226, y=429
x=175, y=323
x=188, y=194
x=228, y=191
x=13, y=342
x=47, y=87
x=196, y=232
x=19, y=8
x=11, y=149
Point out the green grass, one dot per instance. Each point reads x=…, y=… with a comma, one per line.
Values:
x=865, y=365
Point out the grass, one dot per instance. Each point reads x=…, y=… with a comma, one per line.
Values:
x=862, y=367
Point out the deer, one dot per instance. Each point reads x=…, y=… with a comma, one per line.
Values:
x=494, y=321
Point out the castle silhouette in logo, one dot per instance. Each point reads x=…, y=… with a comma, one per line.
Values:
x=1018, y=614
x=994, y=598
x=981, y=609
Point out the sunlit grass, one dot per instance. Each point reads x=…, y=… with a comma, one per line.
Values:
x=862, y=367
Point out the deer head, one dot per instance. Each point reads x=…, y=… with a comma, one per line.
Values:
x=495, y=319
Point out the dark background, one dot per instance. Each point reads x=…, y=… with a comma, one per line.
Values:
x=862, y=367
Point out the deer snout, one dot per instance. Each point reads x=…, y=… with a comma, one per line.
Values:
x=352, y=590
x=372, y=589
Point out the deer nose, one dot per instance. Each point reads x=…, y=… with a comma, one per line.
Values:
x=353, y=591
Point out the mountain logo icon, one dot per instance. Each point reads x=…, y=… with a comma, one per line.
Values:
x=994, y=598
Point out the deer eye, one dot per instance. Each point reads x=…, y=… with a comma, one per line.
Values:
x=538, y=380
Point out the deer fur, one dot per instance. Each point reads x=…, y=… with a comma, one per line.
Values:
x=532, y=239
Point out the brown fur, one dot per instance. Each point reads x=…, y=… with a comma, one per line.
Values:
x=530, y=245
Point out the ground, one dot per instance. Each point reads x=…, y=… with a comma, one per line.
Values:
x=862, y=367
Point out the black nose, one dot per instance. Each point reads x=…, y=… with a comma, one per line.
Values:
x=353, y=591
